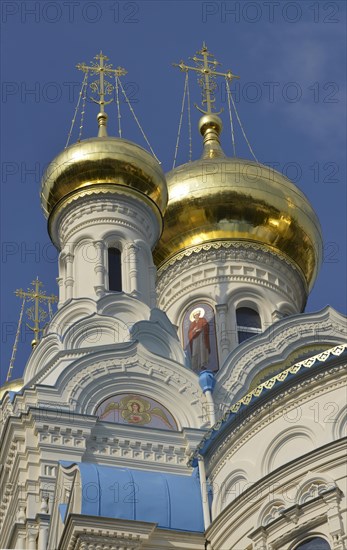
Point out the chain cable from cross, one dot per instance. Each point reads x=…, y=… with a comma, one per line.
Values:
x=35, y=313
x=101, y=86
x=206, y=69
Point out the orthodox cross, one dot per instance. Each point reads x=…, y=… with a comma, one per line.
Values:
x=205, y=67
x=101, y=87
x=35, y=313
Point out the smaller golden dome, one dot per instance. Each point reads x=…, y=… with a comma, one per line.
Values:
x=217, y=198
x=13, y=385
x=104, y=164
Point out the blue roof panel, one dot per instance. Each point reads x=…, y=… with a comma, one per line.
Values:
x=170, y=500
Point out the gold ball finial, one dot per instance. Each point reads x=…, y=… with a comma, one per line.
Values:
x=210, y=124
x=210, y=127
x=102, y=123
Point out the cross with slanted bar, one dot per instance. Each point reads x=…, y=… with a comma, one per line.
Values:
x=37, y=314
x=206, y=67
x=103, y=69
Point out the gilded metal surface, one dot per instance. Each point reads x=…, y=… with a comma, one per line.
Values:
x=205, y=67
x=37, y=314
x=101, y=87
x=13, y=385
x=225, y=198
x=100, y=190
x=103, y=160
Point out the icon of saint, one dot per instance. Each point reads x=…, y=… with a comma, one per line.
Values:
x=199, y=339
x=135, y=409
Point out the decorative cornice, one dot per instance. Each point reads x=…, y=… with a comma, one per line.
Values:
x=231, y=279
x=170, y=454
x=270, y=270
x=66, y=238
x=272, y=346
x=92, y=205
x=234, y=246
x=254, y=394
x=133, y=366
x=267, y=413
x=280, y=366
x=101, y=190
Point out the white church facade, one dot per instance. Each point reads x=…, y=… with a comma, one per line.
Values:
x=180, y=397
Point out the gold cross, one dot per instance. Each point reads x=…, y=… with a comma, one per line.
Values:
x=36, y=313
x=101, y=87
x=205, y=66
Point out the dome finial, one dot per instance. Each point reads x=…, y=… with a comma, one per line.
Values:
x=205, y=67
x=100, y=86
x=210, y=125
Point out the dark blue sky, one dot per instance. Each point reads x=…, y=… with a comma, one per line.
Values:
x=290, y=57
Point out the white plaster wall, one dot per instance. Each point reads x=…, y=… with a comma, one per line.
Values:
x=266, y=456
x=84, y=231
x=228, y=276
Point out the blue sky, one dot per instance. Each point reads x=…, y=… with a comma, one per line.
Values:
x=290, y=57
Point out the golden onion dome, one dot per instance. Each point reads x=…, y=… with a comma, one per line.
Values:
x=220, y=199
x=13, y=385
x=103, y=164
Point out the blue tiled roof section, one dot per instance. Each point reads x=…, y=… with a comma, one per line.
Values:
x=172, y=501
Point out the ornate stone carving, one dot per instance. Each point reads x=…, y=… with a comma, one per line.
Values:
x=268, y=413
x=225, y=255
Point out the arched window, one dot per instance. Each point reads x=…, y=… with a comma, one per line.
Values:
x=248, y=323
x=316, y=543
x=114, y=270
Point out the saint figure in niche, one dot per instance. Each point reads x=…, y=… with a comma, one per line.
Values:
x=199, y=339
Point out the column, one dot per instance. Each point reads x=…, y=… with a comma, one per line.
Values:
x=69, y=282
x=222, y=324
x=152, y=270
x=259, y=538
x=131, y=262
x=335, y=521
x=99, y=268
x=21, y=541
x=43, y=537
x=60, y=283
x=31, y=537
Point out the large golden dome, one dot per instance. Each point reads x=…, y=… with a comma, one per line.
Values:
x=103, y=164
x=220, y=199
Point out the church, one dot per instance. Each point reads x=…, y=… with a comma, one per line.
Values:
x=180, y=397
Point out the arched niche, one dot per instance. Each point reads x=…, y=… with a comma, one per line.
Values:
x=136, y=410
x=198, y=336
